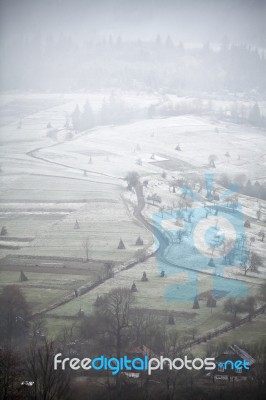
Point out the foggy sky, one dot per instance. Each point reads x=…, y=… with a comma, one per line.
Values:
x=185, y=20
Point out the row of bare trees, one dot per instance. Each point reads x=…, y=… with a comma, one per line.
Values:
x=28, y=373
x=115, y=326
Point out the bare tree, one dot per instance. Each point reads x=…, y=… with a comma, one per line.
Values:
x=154, y=198
x=258, y=351
x=173, y=207
x=49, y=383
x=261, y=235
x=144, y=325
x=214, y=348
x=115, y=316
x=234, y=307
x=108, y=271
x=226, y=249
x=10, y=373
x=192, y=332
x=261, y=294
x=250, y=304
x=86, y=246
x=38, y=326
x=162, y=209
x=255, y=261
x=132, y=179
x=245, y=268
x=173, y=380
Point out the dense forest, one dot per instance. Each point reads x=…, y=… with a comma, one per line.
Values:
x=59, y=63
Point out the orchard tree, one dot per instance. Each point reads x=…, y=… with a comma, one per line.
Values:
x=234, y=307
x=154, y=198
x=261, y=235
x=255, y=261
x=132, y=179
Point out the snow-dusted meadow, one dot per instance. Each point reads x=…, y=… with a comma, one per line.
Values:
x=50, y=181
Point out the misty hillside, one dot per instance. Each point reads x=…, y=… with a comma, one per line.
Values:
x=177, y=46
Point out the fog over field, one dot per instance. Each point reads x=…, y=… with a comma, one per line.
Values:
x=132, y=195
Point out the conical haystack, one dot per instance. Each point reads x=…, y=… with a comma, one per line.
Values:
x=196, y=303
x=139, y=241
x=171, y=320
x=121, y=245
x=247, y=223
x=144, y=277
x=211, y=263
x=134, y=287
x=212, y=164
x=76, y=226
x=22, y=277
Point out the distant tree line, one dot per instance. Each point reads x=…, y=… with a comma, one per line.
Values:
x=115, y=111
x=60, y=63
x=112, y=111
x=236, y=112
x=244, y=186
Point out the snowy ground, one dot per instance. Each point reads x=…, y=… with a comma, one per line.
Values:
x=47, y=183
x=47, y=172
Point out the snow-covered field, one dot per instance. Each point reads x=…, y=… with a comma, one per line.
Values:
x=37, y=169
x=158, y=138
x=49, y=183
